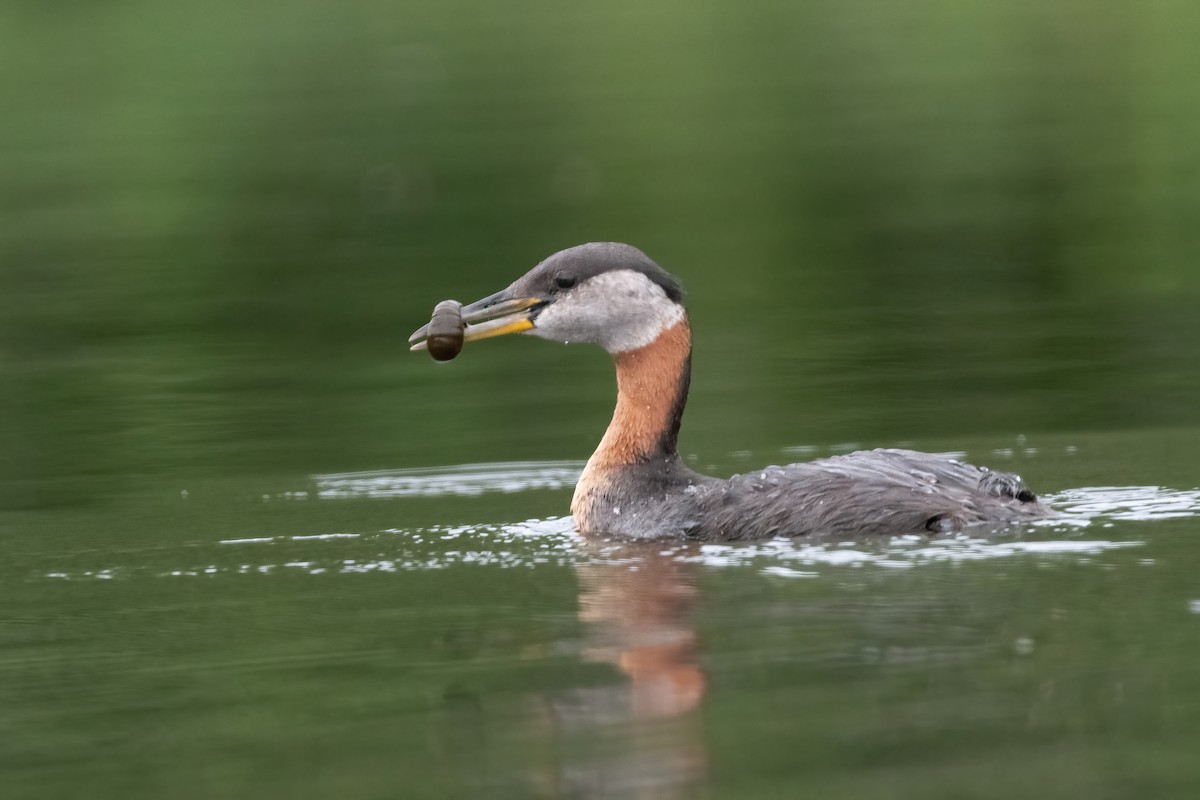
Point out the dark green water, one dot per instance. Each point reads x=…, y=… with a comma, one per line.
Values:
x=251, y=547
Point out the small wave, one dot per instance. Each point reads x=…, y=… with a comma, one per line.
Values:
x=554, y=540
x=1137, y=503
x=467, y=480
x=899, y=552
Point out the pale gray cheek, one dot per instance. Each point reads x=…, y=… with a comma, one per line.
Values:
x=635, y=326
x=559, y=325
x=618, y=311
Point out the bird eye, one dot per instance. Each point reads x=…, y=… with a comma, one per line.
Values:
x=564, y=281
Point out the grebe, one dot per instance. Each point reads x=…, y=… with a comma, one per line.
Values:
x=635, y=486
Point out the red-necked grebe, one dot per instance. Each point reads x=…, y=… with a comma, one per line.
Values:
x=635, y=486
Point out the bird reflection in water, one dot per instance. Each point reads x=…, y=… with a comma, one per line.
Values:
x=641, y=737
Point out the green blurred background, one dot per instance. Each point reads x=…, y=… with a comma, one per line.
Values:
x=895, y=221
x=957, y=225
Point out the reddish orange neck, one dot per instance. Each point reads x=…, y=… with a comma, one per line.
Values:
x=652, y=387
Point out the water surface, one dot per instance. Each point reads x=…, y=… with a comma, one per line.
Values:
x=251, y=547
x=322, y=639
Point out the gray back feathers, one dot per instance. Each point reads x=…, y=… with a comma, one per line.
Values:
x=867, y=493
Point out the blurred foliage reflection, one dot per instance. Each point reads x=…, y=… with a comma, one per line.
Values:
x=894, y=222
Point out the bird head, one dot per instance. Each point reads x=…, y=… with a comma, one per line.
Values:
x=604, y=293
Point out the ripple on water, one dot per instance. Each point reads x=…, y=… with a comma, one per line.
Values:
x=1139, y=503
x=898, y=552
x=554, y=540
x=466, y=480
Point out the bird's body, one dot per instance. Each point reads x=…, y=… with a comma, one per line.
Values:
x=865, y=493
x=635, y=486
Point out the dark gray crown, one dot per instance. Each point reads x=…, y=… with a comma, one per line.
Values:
x=589, y=260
